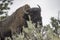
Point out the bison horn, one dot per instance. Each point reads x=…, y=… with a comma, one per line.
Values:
x=25, y=11
x=38, y=5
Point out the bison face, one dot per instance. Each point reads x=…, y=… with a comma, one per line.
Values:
x=35, y=14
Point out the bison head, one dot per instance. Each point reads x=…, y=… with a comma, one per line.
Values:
x=35, y=14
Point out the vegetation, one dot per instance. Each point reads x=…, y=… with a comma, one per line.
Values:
x=4, y=7
x=32, y=33
x=55, y=23
x=46, y=32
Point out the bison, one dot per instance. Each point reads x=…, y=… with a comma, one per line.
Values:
x=14, y=23
x=35, y=14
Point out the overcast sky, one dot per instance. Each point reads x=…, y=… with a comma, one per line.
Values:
x=49, y=8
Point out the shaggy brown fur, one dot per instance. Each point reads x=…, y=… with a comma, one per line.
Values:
x=14, y=21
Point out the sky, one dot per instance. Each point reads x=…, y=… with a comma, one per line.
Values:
x=49, y=8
